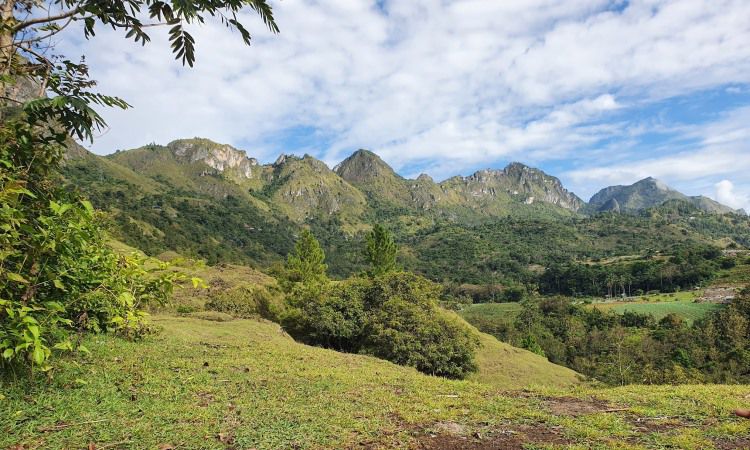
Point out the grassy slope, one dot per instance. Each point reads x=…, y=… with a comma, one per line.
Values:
x=509, y=367
x=243, y=384
x=504, y=312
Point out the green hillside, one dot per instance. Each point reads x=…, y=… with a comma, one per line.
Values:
x=244, y=384
x=212, y=201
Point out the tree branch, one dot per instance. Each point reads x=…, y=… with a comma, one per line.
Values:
x=43, y=37
x=21, y=25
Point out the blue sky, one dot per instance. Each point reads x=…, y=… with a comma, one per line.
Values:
x=596, y=92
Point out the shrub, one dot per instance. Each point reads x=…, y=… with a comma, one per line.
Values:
x=332, y=316
x=421, y=336
x=247, y=301
x=394, y=316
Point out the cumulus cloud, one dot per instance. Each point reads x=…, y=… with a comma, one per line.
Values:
x=725, y=193
x=445, y=86
x=719, y=150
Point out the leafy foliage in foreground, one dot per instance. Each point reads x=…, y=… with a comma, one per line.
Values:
x=56, y=273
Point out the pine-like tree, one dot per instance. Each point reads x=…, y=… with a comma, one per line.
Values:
x=306, y=264
x=380, y=251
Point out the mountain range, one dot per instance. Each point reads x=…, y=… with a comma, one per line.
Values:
x=212, y=201
x=303, y=187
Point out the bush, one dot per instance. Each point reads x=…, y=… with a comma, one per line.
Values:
x=514, y=294
x=421, y=336
x=332, y=316
x=394, y=316
x=248, y=301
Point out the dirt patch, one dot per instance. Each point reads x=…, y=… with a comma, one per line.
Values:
x=732, y=444
x=718, y=294
x=646, y=425
x=515, y=437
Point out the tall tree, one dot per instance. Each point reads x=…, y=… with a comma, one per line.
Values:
x=380, y=251
x=306, y=264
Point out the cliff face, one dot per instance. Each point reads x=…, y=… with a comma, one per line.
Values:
x=221, y=157
x=516, y=183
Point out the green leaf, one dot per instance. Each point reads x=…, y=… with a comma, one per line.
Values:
x=34, y=329
x=83, y=349
x=38, y=355
x=8, y=353
x=65, y=345
x=89, y=207
x=58, y=284
x=16, y=277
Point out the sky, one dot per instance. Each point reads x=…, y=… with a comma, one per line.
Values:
x=594, y=92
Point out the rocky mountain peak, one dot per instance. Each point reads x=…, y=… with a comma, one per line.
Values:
x=362, y=166
x=220, y=157
x=647, y=193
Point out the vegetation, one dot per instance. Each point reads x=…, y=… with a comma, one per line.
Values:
x=56, y=274
x=243, y=383
x=306, y=266
x=247, y=301
x=393, y=315
x=380, y=251
x=631, y=347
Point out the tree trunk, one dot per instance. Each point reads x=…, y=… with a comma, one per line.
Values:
x=7, y=51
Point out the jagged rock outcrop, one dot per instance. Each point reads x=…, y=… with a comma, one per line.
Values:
x=221, y=157
x=516, y=183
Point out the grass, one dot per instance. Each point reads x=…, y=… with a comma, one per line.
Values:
x=504, y=312
x=244, y=384
x=501, y=364
x=660, y=305
x=688, y=310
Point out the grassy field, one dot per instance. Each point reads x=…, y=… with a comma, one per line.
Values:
x=660, y=305
x=688, y=310
x=244, y=384
x=491, y=312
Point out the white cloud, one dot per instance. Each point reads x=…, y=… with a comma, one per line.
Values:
x=721, y=151
x=445, y=85
x=726, y=194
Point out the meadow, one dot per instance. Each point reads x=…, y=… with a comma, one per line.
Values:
x=245, y=384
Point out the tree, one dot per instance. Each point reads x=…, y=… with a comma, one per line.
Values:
x=380, y=251
x=306, y=264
